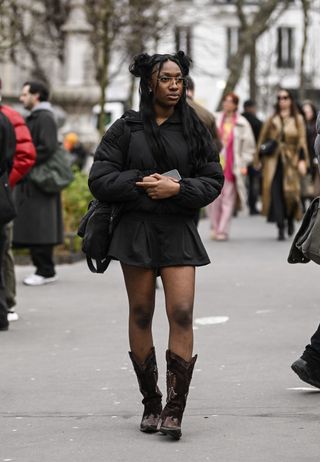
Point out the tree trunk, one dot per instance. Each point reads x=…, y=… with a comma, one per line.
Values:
x=249, y=33
x=305, y=8
x=131, y=91
x=103, y=84
x=252, y=72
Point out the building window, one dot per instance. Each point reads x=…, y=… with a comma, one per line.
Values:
x=232, y=42
x=285, y=48
x=183, y=37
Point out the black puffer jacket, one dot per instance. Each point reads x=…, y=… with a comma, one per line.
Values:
x=123, y=157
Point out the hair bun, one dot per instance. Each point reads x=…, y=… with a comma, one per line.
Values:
x=139, y=64
x=184, y=61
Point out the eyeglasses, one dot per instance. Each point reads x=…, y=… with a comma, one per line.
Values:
x=169, y=80
x=279, y=98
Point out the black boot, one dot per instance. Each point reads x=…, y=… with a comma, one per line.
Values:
x=179, y=374
x=308, y=368
x=147, y=375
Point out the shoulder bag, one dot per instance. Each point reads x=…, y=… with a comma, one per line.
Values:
x=269, y=147
x=306, y=243
x=96, y=229
x=55, y=174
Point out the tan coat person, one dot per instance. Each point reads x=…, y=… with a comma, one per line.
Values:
x=291, y=137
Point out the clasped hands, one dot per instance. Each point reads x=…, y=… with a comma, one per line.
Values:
x=159, y=187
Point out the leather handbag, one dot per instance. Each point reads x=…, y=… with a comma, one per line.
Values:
x=268, y=148
x=96, y=229
x=306, y=244
x=7, y=208
x=53, y=175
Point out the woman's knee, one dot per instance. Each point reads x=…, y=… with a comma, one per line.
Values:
x=182, y=316
x=142, y=315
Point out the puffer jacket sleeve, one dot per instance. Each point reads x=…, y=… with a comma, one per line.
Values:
x=108, y=180
x=205, y=187
x=317, y=142
x=25, y=154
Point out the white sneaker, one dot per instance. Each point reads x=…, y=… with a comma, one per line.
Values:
x=37, y=280
x=12, y=316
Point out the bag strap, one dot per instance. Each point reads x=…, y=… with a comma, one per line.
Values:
x=101, y=265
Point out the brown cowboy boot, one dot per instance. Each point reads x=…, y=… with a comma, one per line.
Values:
x=179, y=374
x=147, y=375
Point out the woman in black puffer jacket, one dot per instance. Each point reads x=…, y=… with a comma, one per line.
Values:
x=308, y=366
x=156, y=234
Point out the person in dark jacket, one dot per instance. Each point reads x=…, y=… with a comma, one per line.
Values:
x=156, y=234
x=23, y=159
x=307, y=367
x=254, y=176
x=310, y=183
x=39, y=225
x=7, y=150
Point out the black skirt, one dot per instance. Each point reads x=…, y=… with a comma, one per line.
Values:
x=155, y=241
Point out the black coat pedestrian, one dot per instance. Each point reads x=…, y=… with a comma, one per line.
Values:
x=317, y=141
x=255, y=124
x=153, y=233
x=39, y=220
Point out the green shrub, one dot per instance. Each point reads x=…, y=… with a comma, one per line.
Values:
x=75, y=200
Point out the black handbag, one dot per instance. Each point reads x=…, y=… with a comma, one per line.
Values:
x=96, y=229
x=306, y=243
x=7, y=208
x=268, y=148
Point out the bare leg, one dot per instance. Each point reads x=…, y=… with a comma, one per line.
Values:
x=178, y=283
x=140, y=285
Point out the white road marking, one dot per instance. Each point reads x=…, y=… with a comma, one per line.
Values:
x=303, y=389
x=211, y=320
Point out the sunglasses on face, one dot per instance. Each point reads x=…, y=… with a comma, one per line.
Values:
x=285, y=97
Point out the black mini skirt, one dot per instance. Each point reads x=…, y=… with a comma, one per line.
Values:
x=156, y=241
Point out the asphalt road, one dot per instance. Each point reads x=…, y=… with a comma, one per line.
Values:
x=69, y=394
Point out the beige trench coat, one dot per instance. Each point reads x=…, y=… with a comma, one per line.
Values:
x=244, y=147
x=294, y=139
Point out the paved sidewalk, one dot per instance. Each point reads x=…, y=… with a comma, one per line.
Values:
x=68, y=392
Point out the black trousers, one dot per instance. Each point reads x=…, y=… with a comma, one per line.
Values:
x=3, y=304
x=315, y=343
x=254, y=189
x=42, y=258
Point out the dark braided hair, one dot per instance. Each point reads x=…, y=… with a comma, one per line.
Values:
x=197, y=136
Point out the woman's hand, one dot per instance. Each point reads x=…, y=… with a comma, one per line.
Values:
x=159, y=187
x=302, y=167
